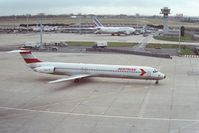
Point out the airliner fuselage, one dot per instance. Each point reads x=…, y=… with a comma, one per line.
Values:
x=77, y=71
x=98, y=70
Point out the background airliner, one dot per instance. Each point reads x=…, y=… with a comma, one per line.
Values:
x=77, y=71
x=112, y=30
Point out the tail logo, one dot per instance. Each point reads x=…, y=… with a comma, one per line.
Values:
x=28, y=56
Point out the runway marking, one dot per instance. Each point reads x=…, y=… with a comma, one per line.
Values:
x=141, y=40
x=144, y=104
x=102, y=116
x=70, y=100
x=183, y=127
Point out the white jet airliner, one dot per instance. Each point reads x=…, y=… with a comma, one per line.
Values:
x=112, y=30
x=77, y=71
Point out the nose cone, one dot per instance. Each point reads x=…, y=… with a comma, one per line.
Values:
x=162, y=76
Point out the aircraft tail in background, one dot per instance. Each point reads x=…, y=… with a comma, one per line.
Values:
x=97, y=22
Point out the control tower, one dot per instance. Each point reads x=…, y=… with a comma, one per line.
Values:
x=165, y=11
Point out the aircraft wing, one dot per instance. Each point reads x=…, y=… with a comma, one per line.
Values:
x=70, y=78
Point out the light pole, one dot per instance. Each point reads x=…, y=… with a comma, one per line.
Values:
x=27, y=17
x=180, y=33
x=41, y=29
x=137, y=16
x=179, y=39
x=80, y=24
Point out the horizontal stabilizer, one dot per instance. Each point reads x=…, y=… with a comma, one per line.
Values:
x=18, y=51
x=70, y=78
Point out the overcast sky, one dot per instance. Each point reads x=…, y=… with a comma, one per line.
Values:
x=130, y=7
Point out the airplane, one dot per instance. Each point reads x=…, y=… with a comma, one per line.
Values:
x=45, y=28
x=78, y=71
x=112, y=30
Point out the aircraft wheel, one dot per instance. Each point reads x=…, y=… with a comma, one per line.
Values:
x=76, y=80
x=156, y=82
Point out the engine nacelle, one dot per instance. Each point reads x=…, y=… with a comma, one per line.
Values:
x=45, y=69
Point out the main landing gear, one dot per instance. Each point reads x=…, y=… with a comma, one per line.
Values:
x=76, y=80
x=156, y=82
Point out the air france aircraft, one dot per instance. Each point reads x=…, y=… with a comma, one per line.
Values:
x=77, y=71
x=112, y=30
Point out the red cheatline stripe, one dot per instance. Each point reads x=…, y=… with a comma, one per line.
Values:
x=32, y=60
x=29, y=52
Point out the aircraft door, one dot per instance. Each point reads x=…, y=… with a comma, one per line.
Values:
x=148, y=74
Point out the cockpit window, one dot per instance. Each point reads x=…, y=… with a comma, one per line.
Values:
x=155, y=71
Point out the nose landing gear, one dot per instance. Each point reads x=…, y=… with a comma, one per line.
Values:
x=156, y=82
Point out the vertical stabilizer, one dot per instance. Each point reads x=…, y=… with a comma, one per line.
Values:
x=27, y=55
x=97, y=22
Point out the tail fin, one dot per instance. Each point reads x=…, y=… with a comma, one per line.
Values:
x=97, y=22
x=27, y=55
